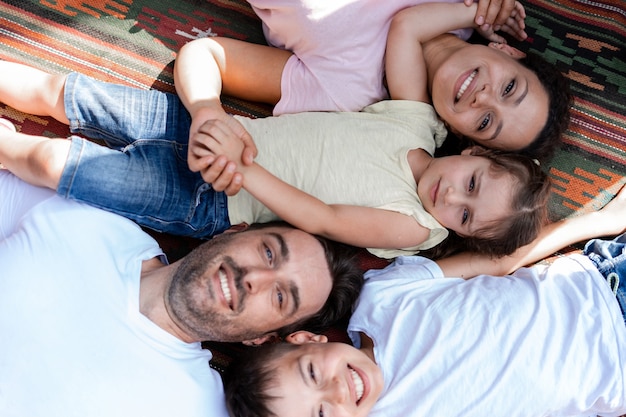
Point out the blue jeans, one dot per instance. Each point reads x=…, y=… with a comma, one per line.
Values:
x=143, y=173
x=609, y=256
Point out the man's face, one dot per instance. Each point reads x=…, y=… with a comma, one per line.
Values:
x=325, y=379
x=241, y=286
x=488, y=96
x=463, y=193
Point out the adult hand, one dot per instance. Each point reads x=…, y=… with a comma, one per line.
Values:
x=514, y=25
x=496, y=15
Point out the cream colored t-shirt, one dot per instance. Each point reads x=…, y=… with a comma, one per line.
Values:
x=357, y=158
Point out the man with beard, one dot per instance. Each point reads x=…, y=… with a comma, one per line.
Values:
x=95, y=322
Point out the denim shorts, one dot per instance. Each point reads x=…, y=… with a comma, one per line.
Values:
x=143, y=173
x=609, y=256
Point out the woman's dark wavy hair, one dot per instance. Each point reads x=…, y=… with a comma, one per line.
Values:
x=560, y=100
x=528, y=210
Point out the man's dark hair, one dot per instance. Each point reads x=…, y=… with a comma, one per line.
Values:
x=560, y=100
x=347, y=283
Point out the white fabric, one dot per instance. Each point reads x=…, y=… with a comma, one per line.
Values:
x=360, y=159
x=339, y=49
x=73, y=340
x=545, y=342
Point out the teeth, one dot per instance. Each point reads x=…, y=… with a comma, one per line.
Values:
x=358, y=384
x=466, y=84
x=225, y=288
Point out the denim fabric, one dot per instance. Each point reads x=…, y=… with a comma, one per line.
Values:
x=609, y=256
x=143, y=175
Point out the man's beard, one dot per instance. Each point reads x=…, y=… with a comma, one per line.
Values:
x=194, y=310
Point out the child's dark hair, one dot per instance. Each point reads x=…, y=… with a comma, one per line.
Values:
x=560, y=101
x=249, y=378
x=528, y=210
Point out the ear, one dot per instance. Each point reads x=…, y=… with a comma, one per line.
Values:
x=237, y=228
x=468, y=151
x=301, y=337
x=472, y=150
x=507, y=49
x=271, y=337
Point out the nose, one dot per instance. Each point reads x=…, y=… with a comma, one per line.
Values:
x=257, y=280
x=337, y=391
x=452, y=197
x=483, y=96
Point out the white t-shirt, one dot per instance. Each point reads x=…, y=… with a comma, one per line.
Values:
x=360, y=158
x=339, y=48
x=545, y=342
x=73, y=340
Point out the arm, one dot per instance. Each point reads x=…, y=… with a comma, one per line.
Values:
x=355, y=225
x=404, y=62
x=610, y=220
x=202, y=69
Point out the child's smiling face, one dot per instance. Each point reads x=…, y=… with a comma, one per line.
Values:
x=325, y=380
x=464, y=194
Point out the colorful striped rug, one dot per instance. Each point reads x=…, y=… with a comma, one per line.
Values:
x=134, y=42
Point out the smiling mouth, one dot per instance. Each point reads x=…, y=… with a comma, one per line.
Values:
x=225, y=288
x=358, y=384
x=465, y=84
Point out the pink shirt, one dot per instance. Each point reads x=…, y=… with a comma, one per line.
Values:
x=338, y=46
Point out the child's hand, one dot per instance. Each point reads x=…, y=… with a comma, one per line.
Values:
x=216, y=150
x=495, y=15
x=217, y=169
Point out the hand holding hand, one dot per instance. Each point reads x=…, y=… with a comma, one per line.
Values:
x=210, y=129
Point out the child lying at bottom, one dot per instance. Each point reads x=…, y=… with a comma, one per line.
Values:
x=544, y=341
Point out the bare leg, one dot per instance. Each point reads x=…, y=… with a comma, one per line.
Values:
x=32, y=91
x=37, y=160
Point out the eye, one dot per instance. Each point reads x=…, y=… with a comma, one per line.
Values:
x=312, y=375
x=465, y=216
x=279, y=296
x=509, y=87
x=269, y=254
x=471, y=184
x=485, y=122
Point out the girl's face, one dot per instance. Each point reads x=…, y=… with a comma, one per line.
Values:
x=486, y=95
x=325, y=380
x=464, y=194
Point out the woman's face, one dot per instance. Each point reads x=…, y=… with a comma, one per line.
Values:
x=486, y=95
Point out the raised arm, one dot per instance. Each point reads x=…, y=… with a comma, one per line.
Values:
x=610, y=220
x=404, y=62
x=205, y=68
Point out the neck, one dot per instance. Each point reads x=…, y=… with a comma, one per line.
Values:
x=418, y=162
x=437, y=50
x=155, y=279
x=367, y=346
